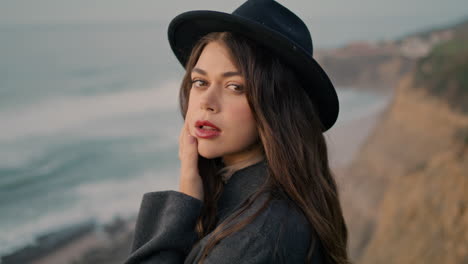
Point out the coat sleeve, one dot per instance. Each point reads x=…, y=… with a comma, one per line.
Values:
x=165, y=228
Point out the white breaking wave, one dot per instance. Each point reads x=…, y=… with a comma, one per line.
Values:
x=63, y=114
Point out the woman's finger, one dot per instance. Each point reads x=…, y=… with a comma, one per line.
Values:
x=182, y=136
x=190, y=151
x=190, y=181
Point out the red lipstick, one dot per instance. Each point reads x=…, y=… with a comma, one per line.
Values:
x=205, y=129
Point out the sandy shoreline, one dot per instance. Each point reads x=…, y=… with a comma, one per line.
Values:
x=111, y=243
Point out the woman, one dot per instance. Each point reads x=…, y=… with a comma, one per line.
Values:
x=255, y=184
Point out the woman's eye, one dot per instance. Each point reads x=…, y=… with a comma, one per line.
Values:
x=236, y=88
x=197, y=81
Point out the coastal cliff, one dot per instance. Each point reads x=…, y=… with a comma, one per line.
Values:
x=378, y=66
x=365, y=66
x=405, y=195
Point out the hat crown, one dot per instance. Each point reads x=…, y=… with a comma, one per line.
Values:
x=276, y=17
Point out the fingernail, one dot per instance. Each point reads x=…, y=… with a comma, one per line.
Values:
x=191, y=139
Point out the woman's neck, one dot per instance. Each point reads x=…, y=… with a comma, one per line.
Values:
x=252, y=152
x=254, y=156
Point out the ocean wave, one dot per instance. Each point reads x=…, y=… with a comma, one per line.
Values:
x=72, y=113
x=100, y=202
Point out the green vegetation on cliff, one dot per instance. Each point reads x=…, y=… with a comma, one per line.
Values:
x=444, y=72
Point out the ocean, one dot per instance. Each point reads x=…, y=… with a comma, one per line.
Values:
x=89, y=122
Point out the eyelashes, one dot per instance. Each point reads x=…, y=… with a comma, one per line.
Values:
x=197, y=80
x=237, y=89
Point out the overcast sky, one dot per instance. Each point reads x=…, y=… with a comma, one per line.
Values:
x=332, y=22
x=31, y=11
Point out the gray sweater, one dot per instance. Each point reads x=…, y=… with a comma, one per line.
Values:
x=164, y=232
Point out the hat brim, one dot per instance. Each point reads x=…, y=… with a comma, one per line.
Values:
x=187, y=28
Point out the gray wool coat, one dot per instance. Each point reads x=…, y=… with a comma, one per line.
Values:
x=165, y=228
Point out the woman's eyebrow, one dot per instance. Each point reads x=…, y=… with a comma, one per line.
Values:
x=226, y=74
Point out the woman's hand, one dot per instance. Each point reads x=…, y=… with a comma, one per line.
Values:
x=190, y=181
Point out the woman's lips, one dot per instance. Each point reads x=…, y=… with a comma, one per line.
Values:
x=202, y=130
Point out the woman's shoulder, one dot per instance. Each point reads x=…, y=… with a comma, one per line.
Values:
x=286, y=226
x=284, y=216
x=281, y=222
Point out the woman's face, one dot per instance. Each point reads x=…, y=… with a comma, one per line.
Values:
x=218, y=96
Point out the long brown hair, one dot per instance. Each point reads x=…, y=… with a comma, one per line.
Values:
x=295, y=150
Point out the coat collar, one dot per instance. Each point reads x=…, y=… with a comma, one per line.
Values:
x=240, y=186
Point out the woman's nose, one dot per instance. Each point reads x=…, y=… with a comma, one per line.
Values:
x=207, y=107
x=209, y=100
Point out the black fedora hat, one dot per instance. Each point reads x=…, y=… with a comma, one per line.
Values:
x=277, y=29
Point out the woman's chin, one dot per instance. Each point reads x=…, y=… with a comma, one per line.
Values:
x=208, y=153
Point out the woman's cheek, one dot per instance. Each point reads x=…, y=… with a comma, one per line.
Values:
x=241, y=112
x=241, y=117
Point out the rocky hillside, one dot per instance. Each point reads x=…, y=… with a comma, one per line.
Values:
x=379, y=65
x=364, y=65
x=405, y=196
